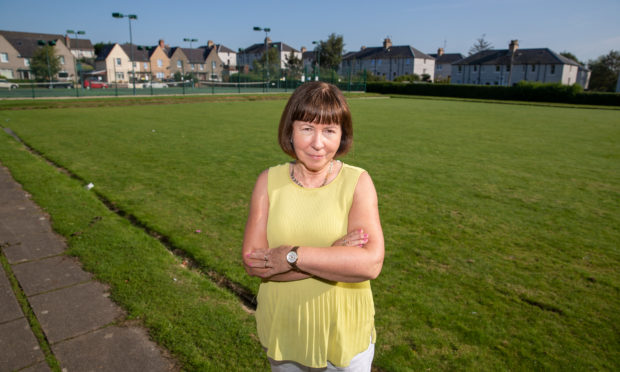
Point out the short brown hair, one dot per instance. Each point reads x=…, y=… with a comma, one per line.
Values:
x=316, y=102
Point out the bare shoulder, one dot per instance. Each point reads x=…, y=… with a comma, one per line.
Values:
x=365, y=188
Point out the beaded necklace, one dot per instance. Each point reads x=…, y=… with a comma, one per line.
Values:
x=329, y=171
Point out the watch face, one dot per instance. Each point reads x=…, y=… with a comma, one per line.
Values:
x=291, y=257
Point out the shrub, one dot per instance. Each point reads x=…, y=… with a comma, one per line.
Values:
x=522, y=91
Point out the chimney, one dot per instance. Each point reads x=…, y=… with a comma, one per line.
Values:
x=387, y=43
x=161, y=44
x=303, y=50
x=514, y=45
x=363, y=47
x=439, y=52
x=210, y=43
x=267, y=40
x=67, y=41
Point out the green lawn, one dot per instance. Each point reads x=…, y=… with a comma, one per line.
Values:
x=502, y=222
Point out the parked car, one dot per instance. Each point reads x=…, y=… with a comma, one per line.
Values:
x=4, y=83
x=155, y=84
x=62, y=84
x=95, y=84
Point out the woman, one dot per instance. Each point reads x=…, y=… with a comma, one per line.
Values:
x=314, y=236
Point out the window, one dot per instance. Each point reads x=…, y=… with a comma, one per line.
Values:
x=497, y=68
x=379, y=62
x=460, y=68
x=62, y=60
x=508, y=68
x=179, y=64
x=408, y=61
x=533, y=68
x=118, y=61
x=160, y=63
x=475, y=68
x=27, y=62
x=191, y=66
x=120, y=75
x=439, y=67
x=4, y=57
x=552, y=69
x=160, y=75
x=201, y=67
x=133, y=64
x=63, y=74
x=146, y=65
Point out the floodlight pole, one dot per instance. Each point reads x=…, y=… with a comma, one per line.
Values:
x=77, y=59
x=129, y=18
x=190, y=41
x=318, y=52
x=47, y=55
x=267, y=30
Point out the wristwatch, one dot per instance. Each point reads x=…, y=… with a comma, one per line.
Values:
x=291, y=257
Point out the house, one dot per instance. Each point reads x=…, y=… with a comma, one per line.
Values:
x=226, y=55
x=159, y=58
x=248, y=55
x=141, y=65
x=308, y=58
x=113, y=63
x=509, y=66
x=18, y=48
x=203, y=62
x=389, y=61
x=80, y=48
x=443, y=64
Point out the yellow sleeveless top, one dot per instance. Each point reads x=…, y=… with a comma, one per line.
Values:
x=311, y=321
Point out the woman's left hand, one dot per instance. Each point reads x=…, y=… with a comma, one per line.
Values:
x=269, y=261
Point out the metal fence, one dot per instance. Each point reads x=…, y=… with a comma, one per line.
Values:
x=236, y=84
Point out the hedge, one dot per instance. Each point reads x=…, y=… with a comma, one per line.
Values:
x=522, y=91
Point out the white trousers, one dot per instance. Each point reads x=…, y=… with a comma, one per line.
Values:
x=360, y=363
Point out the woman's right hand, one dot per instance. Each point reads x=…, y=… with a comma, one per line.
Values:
x=356, y=238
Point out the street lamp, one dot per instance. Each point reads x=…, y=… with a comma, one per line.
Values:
x=267, y=30
x=318, y=52
x=77, y=59
x=190, y=41
x=129, y=18
x=49, y=70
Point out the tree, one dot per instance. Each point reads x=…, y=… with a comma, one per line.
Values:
x=331, y=51
x=570, y=55
x=44, y=63
x=605, y=71
x=294, y=66
x=480, y=45
x=274, y=63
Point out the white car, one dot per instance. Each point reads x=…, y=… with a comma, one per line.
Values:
x=4, y=83
x=155, y=84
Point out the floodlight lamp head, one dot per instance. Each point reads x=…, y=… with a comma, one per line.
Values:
x=267, y=29
x=70, y=32
x=256, y=28
x=185, y=39
x=117, y=15
x=132, y=16
x=81, y=32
